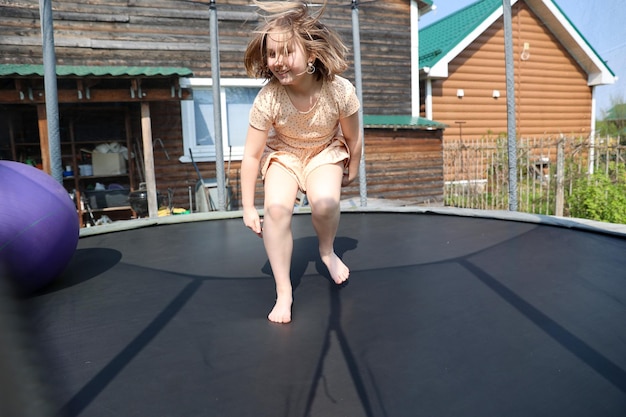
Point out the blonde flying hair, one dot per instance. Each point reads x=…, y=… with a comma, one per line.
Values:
x=293, y=19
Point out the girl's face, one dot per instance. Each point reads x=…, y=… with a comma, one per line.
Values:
x=286, y=57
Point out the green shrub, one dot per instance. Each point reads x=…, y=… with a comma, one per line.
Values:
x=598, y=198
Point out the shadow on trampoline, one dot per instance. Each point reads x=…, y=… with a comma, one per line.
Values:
x=84, y=265
x=305, y=250
x=102, y=379
x=594, y=359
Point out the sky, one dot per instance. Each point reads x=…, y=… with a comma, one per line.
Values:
x=601, y=22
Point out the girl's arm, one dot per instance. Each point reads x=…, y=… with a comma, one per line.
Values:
x=255, y=143
x=352, y=133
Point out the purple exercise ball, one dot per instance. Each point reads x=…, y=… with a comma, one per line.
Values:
x=38, y=226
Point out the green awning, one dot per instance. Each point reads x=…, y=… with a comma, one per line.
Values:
x=400, y=122
x=26, y=70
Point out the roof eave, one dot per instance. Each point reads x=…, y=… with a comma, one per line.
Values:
x=73, y=71
x=572, y=40
x=425, y=6
x=600, y=78
x=400, y=122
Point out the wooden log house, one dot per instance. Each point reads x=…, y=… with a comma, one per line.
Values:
x=133, y=54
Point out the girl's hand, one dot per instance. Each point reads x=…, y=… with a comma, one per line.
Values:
x=347, y=179
x=349, y=175
x=252, y=221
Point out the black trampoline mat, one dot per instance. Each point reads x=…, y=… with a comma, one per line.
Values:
x=442, y=316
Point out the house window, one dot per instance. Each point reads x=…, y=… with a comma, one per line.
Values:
x=236, y=97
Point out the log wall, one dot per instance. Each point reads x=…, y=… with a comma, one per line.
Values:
x=176, y=33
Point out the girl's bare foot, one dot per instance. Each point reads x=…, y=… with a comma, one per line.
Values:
x=281, y=313
x=339, y=272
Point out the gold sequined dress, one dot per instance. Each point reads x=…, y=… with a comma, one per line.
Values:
x=302, y=141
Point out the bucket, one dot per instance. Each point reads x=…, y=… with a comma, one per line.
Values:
x=85, y=170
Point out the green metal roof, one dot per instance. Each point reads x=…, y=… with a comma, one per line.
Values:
x=93, y=71
x=439, y=38
x=400, y=122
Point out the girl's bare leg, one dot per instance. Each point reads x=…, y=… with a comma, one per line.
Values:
x=324, y=193
x=280, y=195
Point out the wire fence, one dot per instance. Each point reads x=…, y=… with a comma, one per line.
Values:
x=549, y=171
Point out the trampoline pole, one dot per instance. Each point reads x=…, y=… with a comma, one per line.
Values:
x=217, y=108
x=359, y=91
x=510, y=104
x=50, y=89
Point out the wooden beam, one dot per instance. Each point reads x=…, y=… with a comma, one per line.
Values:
x=44, y=144
x=148, y=154
x=94, y=96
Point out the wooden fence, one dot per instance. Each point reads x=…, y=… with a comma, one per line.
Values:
x=476, y=171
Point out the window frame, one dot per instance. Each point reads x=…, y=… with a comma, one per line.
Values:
x=207, y=153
